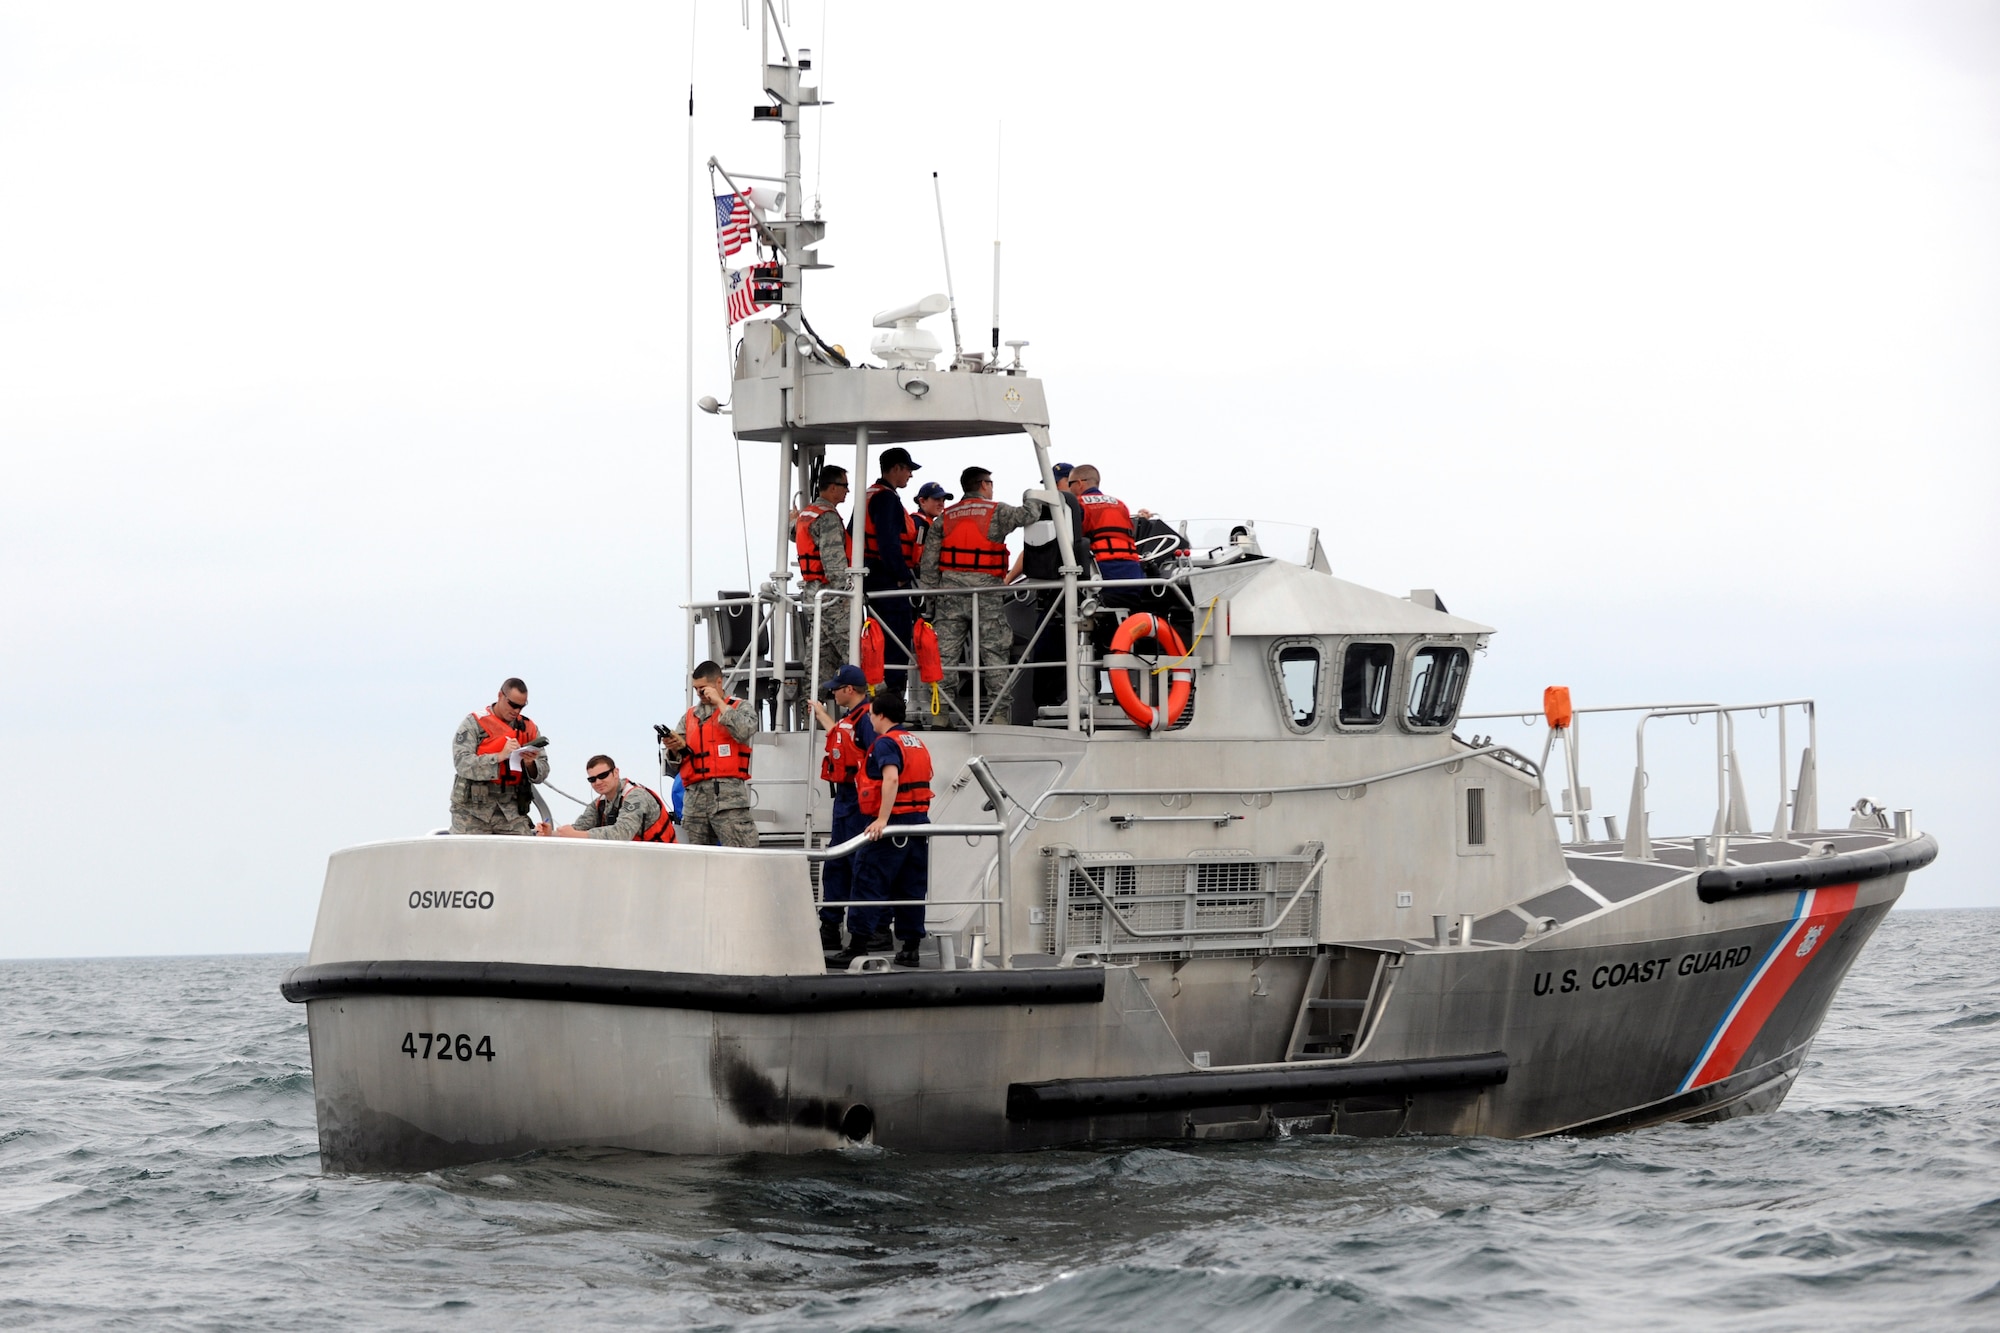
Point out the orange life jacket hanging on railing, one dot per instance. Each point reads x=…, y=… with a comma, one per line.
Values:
x=930, y=662
x=872, y=660
x=913, y=779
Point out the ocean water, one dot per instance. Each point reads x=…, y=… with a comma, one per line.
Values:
x=158, y=1170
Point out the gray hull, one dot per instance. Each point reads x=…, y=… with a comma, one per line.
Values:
x=1660, y=1007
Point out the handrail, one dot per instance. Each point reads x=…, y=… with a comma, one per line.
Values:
x=1238, y=931
x=1638, y=838
x=998, y=832
x=1289, y=789
x=1798, y=809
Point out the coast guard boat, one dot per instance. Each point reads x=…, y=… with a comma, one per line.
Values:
x=1246, y=879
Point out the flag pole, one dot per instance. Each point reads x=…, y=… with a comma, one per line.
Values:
x=687, y=523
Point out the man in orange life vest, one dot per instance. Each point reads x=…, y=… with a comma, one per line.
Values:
x=496, y=756
x=848, y=739
x=623, y=811
x=894, y=787
x=713, y=748
x=967, y=548
x=891, y=553
x=822, y=543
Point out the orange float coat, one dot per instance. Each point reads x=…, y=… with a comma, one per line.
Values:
x=913, y=549
x=913, y=779
x=498, y=733
x=1107, y=526
x=966, y=549
x=811, y=568
x=712, y=751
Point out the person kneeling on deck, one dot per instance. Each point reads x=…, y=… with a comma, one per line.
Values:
x=623, y=811
x=894, y=787
x=848, y=739
x=713, y=747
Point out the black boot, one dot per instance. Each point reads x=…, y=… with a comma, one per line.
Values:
x=860, y=946
x=829, y=937
x=907, y=955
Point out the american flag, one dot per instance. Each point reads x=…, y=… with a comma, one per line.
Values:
x=741, y=307
x=732, y=224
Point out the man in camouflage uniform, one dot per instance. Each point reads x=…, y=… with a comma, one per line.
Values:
x=952, y=616
x=622, y=811
x=480, y=802
x=823, y=564
x=715, y=810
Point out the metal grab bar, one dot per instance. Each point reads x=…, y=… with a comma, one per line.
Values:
x=998, y=832
x=1170, y=933
x=1798, y=809
x=1638, y=843
x=1528, y=765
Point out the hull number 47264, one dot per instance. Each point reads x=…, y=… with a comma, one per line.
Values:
x=445, y=1046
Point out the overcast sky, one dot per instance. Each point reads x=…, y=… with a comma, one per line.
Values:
x=341, y=374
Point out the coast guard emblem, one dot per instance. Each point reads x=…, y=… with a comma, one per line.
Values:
x=1806, y=944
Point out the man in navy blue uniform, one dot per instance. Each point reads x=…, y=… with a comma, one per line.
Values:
x=848, y=737
x=894, y=788
x=893, y=553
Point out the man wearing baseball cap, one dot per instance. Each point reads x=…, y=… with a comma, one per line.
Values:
x=848, y=738
x=892, y=551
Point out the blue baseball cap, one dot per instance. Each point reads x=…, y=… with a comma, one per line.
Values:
x=930, y=490
x=850, y=676
x=1062, y=470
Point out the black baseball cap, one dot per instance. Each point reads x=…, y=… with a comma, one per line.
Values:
x=899, y=457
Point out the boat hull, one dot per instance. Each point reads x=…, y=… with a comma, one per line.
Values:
x=1663, y=1009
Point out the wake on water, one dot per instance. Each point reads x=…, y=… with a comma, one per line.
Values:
x=158, y=1167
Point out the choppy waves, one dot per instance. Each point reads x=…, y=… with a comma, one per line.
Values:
x=157, y=1169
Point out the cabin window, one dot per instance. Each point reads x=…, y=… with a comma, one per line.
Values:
x=1298, y=682
x=1475, y=816
x=1437, y=683
x=1364, y=683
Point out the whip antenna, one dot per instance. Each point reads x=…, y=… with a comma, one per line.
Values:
x=998, y=130
x=957, y=348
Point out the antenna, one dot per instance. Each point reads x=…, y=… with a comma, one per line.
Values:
x=998, y=130
x=957, y=348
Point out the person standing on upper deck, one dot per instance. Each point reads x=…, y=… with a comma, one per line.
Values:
x=826, y=552
x=967, y=548
x=892, y=563
x=496, y=757
x=1041, y=561
x=713, y=747
x=931, y=500
x=1107, y=526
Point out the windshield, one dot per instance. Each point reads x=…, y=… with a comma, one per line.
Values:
x=1215, y=538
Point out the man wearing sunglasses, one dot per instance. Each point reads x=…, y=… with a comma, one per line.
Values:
x=496, y=757
x=823, y=545
x=623, y=811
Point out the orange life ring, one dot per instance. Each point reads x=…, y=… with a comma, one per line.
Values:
x=1144, y=625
